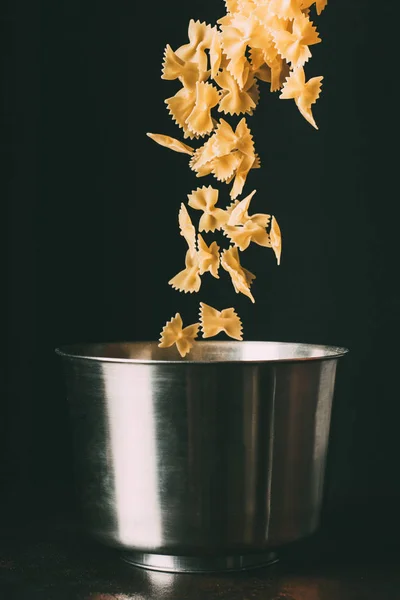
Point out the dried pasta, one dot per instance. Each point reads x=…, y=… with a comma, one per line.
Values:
x=172, y=143
x=220, y=72
x=241, y=278
x=276, y=239
x=188, y=280
x=213, y=321
x=305, y=93
x=208, y=256
x=205, y=199
x=174, y=333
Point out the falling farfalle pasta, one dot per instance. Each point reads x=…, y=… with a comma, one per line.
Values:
x=213, y=321
x=205, y=199
x=174, y=333
x=219, y=73
x=241, y=278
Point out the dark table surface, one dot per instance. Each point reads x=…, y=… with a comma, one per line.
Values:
x=54, y=560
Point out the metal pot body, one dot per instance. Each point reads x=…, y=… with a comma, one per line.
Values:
x=222, y=453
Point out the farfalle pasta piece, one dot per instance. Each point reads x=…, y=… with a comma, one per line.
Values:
x=188, y=280
x=319, y=5
x=276, y=239
x=304, y=93
x=243, y=169
x=171, y=143
x=241, y=278
x=285, y=9
x=243, y=31
x=239, y=214
x=241, y=228
x=232, y=6
x=234, y=100
x=279, y=72
x=213, y=322
x=229, y=155
x=208, y=257
x=242, y=235
x=188, y=73
x=293, y=45
x=200, y=39
x=215, y=53
x=186, y=228
x=231, y=207
x=199, y=121
x=244, y=138
x=239, y=66
x=257, y=59
x=267, y=64
x=224, y=167
x=174, y=333
x=205, y=199
x=222, y=142
x=180, y=107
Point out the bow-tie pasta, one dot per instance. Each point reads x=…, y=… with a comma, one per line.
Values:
x=222, y=70
x=205, y=199
x=208, y=257
x=241, y=278
x=305, y=93
x=174, y=333
x=276, y=239
x=213, y=321
x=188, y=280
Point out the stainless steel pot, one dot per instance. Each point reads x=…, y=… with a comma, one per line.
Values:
x=205, y=463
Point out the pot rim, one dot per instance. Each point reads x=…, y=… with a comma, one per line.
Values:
x=216, y=352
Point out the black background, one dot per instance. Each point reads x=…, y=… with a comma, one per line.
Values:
x=92, y=235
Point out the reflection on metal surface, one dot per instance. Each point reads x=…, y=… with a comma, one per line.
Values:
x=197, y=564
x=203, y=352
x=132, y=443
x=213, y=461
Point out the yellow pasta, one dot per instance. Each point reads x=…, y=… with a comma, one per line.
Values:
x=205, y=199
x=235, y=47
x=239, y=214
x=285, y=9
x=188, y=280
x=241, y=278
x=234, y=99
x=242, y=235
x=223, y=69
x=186, y=228
x=319, y=4
x=276, y=239
x=293, y=45
x=180, y=107
x=228, y=155
x=200, y=39
x=213, y=322
x=174, y=333
x=208, y=257
x=304, y=93
x=188, y=73
x=215, y=54
x=242, y=228
x=199, y=121
x=171, y=143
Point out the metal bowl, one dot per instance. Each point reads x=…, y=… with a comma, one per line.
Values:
x=210, y=462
